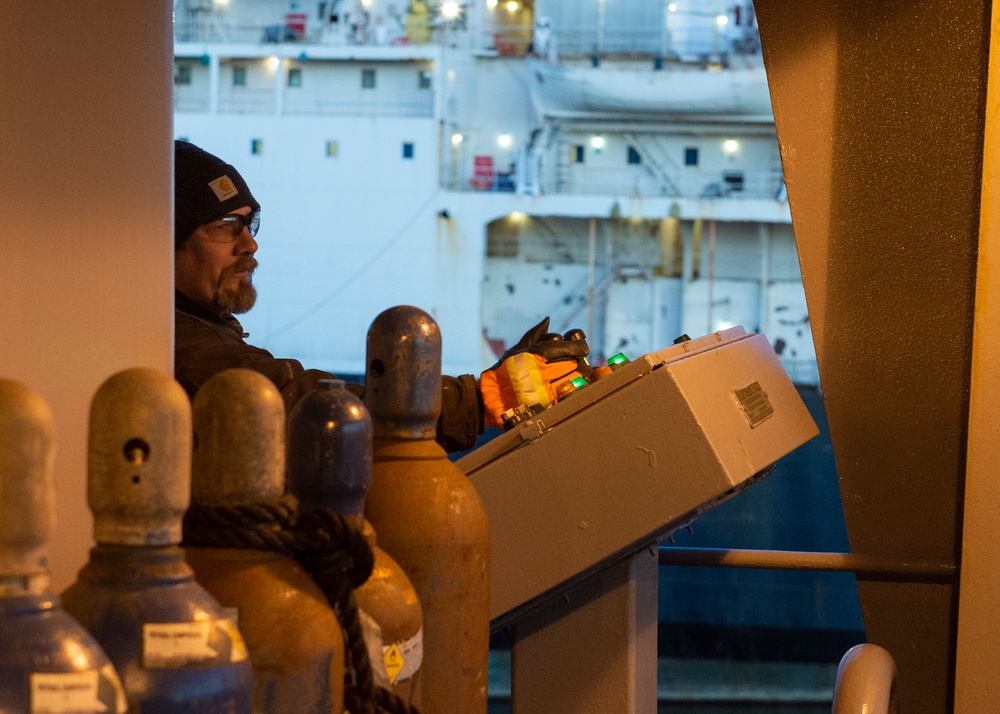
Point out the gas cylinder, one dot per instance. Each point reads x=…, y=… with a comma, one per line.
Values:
x=330, y=466
x=48, y=661
x=427, y=514
x=295, y=642
x=174, y=648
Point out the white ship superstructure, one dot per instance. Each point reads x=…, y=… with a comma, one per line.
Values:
x=615, y=168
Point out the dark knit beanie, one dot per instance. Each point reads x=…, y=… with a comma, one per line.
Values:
x=206, y=188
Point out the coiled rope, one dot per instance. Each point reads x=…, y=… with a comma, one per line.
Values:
x=334, y=553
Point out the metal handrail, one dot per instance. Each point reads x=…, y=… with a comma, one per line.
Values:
x=864, y=566
x=866, y=682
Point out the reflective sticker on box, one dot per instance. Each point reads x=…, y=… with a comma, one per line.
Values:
x=754, y=403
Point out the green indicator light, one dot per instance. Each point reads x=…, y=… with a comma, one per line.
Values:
x=617, y=359
x=579, y=382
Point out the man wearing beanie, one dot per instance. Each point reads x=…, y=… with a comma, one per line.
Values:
x=215, y=223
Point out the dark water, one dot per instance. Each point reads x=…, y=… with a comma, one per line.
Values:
x=713, y=686
x=503, y=707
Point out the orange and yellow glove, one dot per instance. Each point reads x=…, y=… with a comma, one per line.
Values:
x=531, y=372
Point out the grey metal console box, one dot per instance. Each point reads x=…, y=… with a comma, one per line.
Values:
x=576, y=495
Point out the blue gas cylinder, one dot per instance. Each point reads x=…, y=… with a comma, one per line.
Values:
x=48, y=661
x=173, y=645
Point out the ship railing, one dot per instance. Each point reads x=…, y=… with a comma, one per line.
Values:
x=867, y=681
x=387, y=107
x=613, y=40
x=505, y=39
x=492, y=181
x=631, y=181
x=733, y=184
x=246, y=100
x=638, y=180
x=217, y=30
x=198, y=104
x=364, y=31
x=694, y=44
x=264, y=101
x=688, y=41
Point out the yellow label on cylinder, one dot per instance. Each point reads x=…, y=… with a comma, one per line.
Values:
x=403, y=659
x=238, y=652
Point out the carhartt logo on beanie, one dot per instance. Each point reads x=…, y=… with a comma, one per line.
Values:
x=223, y=188
x=206, y=188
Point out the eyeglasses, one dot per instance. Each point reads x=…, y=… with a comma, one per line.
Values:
x=228, y=229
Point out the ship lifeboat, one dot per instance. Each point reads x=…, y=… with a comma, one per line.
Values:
x=566, y=91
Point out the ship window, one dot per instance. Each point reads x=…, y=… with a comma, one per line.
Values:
x=576, y=153
x=182, y=74
x=256, y=146
x=295, y=77
x=633, y=156
x=733, y=180
x=239, y=76
x=691, y=156
x=368, y=79
x=407, y=149
x=424, y=79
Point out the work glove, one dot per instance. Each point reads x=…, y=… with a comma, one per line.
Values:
x=531, y=372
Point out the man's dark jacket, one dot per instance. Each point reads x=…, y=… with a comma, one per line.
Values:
x=206, y=343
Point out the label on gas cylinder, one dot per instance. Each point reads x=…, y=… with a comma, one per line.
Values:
x=76, y=692
x=403, y=659
x=167, y=645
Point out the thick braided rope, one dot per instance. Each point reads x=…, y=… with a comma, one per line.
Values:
x=257, y=526
x=335, y=554
x=339, y=530
x=331, y=533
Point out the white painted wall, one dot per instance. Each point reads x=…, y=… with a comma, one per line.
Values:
x=85, y=192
